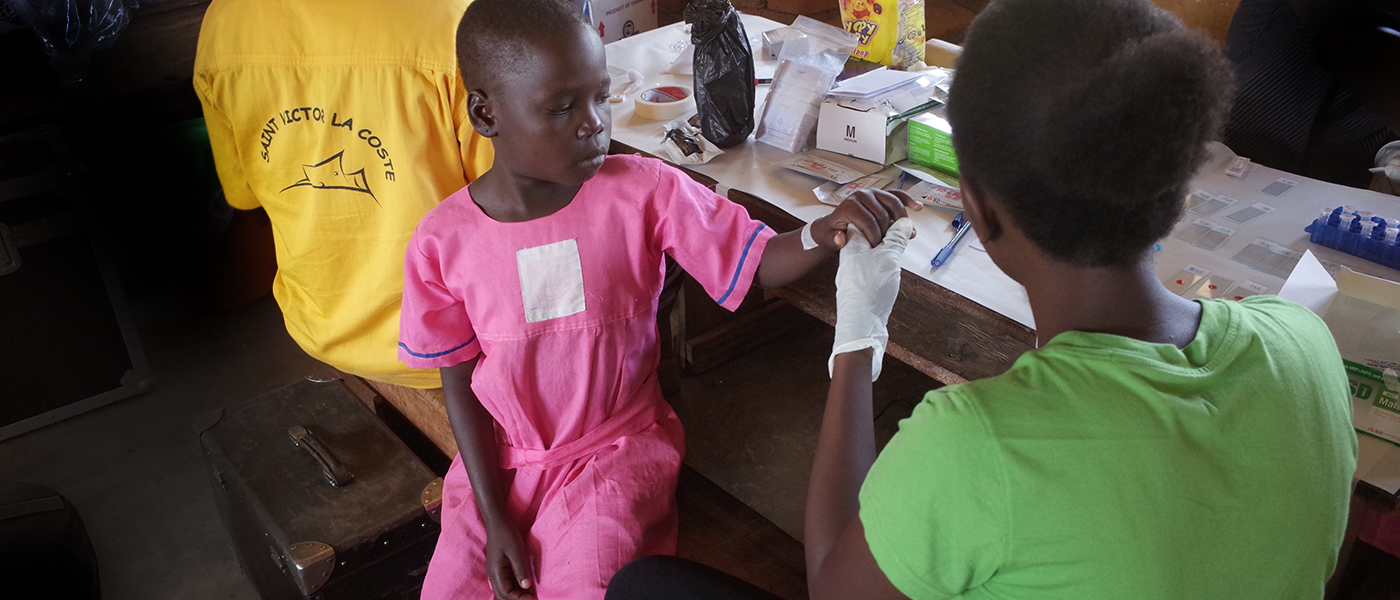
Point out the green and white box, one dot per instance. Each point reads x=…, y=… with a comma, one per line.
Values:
x=1364, y=318
x=931, y=142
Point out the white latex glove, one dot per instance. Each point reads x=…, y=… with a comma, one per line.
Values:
x=1388, y=161
x=867, y=283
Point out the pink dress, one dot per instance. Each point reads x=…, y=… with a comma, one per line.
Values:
x=562, y=310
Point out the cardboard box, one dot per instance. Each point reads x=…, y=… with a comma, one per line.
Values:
x=617, y=19
x=871, y=133
x=1364, y=317
x=931, y=142
x=873, y=127
x=1363, y=314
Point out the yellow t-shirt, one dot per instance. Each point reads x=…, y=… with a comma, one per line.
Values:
x=347, y=122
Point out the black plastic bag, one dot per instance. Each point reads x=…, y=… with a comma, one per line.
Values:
x=69, y=29
x=724, y=81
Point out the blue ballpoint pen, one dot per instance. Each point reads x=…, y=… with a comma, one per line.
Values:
x=947, y=251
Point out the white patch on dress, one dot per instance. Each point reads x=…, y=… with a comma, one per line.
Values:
x=551, y=281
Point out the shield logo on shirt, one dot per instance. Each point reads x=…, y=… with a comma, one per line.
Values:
x=330, y=174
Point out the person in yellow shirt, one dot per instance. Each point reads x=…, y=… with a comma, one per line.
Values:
x=347, y=122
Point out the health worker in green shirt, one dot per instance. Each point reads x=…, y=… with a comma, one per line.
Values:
x=1151, y=447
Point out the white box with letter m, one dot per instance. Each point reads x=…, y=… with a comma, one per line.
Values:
x=863, y=129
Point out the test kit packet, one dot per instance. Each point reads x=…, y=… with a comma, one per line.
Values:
x=891, y=32
x=1363, y=314
x=1365, y=320
x=931, y=142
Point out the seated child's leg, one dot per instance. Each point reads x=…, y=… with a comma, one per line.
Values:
x=458, y=567
x=618, y=506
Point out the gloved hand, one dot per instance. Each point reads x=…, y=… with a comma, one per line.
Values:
x=867, y=283
x=1388, y=160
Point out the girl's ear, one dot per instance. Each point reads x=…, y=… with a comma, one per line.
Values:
x=481, y=113
x=986, y=220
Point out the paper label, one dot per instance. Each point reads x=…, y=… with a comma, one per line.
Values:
x=551, y=281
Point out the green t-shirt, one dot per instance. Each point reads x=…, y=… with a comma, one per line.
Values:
x=1104, y=467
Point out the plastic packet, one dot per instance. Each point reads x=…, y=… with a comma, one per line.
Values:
x=684, y=63
x=723, y=67
x=891, y=32
x=932, y=194
x=813, y=54
x=685, y=145
x=830, y=170
x=826, y=195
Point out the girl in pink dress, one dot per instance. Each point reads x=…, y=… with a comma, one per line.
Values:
x=535, y=289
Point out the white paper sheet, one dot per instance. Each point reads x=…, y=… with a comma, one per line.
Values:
x=1310, y=285
x=873, y=82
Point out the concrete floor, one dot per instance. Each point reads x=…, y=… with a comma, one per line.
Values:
x=134, y=471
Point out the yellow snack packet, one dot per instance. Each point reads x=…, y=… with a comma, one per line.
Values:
x=890, y=32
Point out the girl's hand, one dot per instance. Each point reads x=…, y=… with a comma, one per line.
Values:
x=870, y=211
x=507, y=564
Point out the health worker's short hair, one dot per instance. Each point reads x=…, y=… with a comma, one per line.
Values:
x=1087, y=120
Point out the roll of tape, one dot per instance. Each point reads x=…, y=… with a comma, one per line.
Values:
x=665, y=103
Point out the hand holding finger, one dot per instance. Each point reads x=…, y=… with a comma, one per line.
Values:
x=875, y=206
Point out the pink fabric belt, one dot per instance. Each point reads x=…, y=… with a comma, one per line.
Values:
x=636, y=417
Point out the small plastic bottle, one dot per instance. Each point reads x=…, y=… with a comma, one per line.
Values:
x=1334, y=219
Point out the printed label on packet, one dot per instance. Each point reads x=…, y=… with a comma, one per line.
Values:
x=1237, y=167
x=868, y=182
x=936, y=195
x=1184, y=279
x=824, y=169
x=1245, y=289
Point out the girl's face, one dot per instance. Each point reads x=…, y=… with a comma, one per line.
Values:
x=552, y=118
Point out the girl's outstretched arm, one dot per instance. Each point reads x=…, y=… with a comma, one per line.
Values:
x=507, y=561
x=871, y=211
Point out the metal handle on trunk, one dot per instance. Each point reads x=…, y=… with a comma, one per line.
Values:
x=335, y=471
